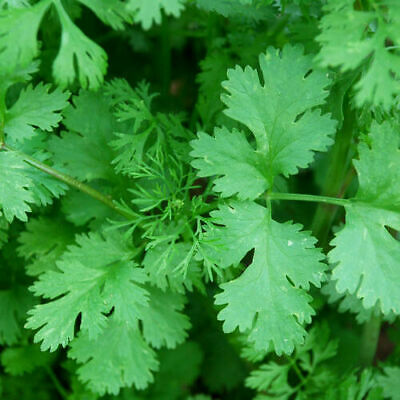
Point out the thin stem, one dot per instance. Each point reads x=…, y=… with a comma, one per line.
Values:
x=2, y=114
x=338, y=166
x=57, y=384
x=369, y=340
x=310, y=198
x=70, y=181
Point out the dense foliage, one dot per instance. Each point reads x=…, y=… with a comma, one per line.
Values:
x=200, y=199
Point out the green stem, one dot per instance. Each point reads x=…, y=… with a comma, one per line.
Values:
x=2, y=114
x=369, y=340
x=60, y=389
x=339, y=164
x=70, y=181
x=310, y=198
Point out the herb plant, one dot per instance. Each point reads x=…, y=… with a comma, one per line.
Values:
x=200, y=199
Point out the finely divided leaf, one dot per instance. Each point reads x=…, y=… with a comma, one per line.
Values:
x=366, y=253
x=269, y=299
x=162, y=265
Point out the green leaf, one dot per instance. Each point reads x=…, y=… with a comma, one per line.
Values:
x=126, y=359
x=373, y=274
x=78, y=57
x=163, y=323
x=179, y=369
x=148, y=12
x=15, y=194
x=351, y=38
x=250, y=9
x=390, y=382
x=269, y=299
x=271, y=378
x=230, y=156
x=14, y=303
x=21, y=360
x=88, y=285
x=84, y=152
x=35, y=108
x=18, y=35
x=280, y=114
x=308, y=363
x=162, y=262
x=350, y=302
x=113, y=13
x=43, y=242
x=9, y=4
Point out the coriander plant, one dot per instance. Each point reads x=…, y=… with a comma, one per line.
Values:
x=199, y=199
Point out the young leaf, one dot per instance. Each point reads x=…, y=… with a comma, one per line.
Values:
x=269, y=299
x=373, y=274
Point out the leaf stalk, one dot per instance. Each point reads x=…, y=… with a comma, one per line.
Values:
x=70, y=181
x=310, y=198
x=369, y=340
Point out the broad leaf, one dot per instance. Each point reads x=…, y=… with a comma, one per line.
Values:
x=269, y=299
x=88, y=285
x=118, y=357
x=280, y=113
x=36, y=107
x=366, y=253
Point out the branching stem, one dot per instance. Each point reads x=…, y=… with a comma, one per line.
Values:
x=70, y=181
